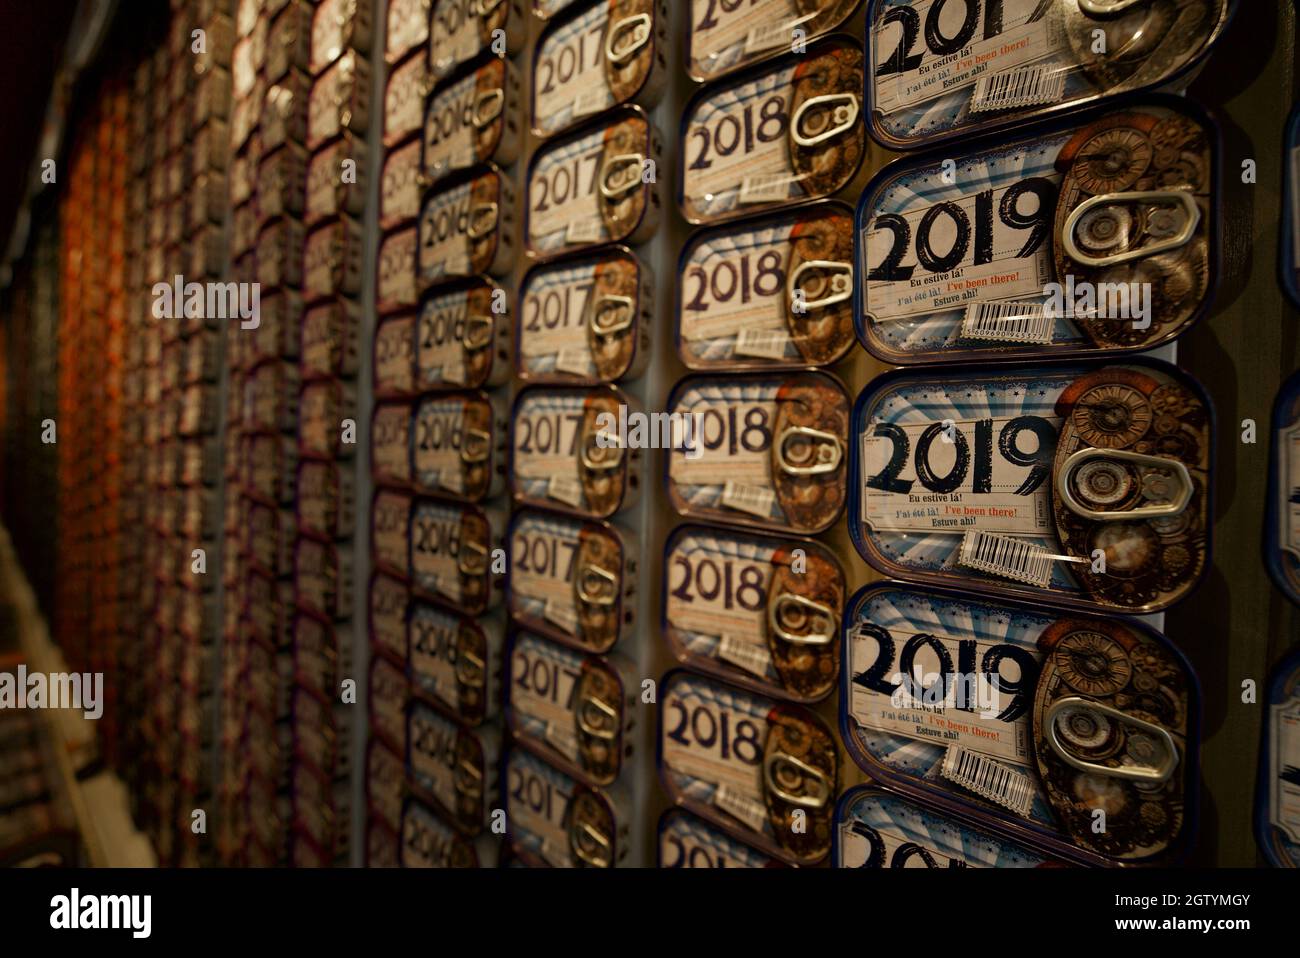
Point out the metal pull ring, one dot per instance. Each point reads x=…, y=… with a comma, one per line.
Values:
x=840, y=285
x=1072, y=706
x=620, y=175
x=1107, y=8
x=472, y=559
x=493, y=101
x=469, y=778
x=778, y=766
x=590, y=844
x=483, y=213
x=607, y=305
x=476, y=446
x=471, y=340
x=1152, y=477
x=781, y=602
x=637, y=28
x=1174, y=238
x=844, y=113
x=828, y=456
x=598, y=719
x=470, y=669
x=597, y=586
x=600, y=458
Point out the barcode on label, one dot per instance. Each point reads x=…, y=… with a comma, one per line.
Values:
x=753, y=658
x=572, y=360
x=1024, y=86
x=583, y=231
x=1007, y=556
x=987, y=777
x=770, y=35
x=756, y=500
x=764, y=343
x=565, y=489
x=742, y=807
x=555, y=853
x=564, y=739
x=767, y=187
x=453, y=480
x=1008, y=323
x=562, y=615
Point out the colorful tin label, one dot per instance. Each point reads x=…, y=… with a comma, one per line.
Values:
x=725, y=35
x=750, y=765
x=782, y=133
x=1088, y=484
x=944, y=69
x=572, y=709
x=875, y=828
x=760, y=450
x=759, y=611
x=457, y=446
x=450, y=555
x=585, y=319
x=555, y=821
x=768, y=292
x=597, y=185
x=1277, y=804
x=467, y=227
x=463, y=337
x=1038, y=720
x=609, y=53
x=568, y=451
x=473, y=118
x=1097, y=236
x=687, y=842
x=1282, y=533
x=569, y=579
x=453, y=766
x=454, y=662
x=460, y=30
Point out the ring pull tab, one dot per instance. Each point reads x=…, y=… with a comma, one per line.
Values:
x=1085, y=720
x=598, y=719
x=469, y=778
x=476, y=447
x=598, y=458
x=826, y=458
x=597, y=586
x=482, y=220
x=636, y=29
x=1107, y=8
x=493, y=101
x=781, y=604
x=620, y=175
x=1107, y=476
x=472, y=559
x=470, y=669
x=478, y=332
x=838, y=288
x=617, y=307
x=1171, y=226
x=782, y=773
x=590, y=844
x=843, y=109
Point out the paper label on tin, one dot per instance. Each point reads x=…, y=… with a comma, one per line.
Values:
x=543, y=564
x=435, y=546
x=450, y=137
x=751, y=656
x=454, y=34
x=1284, y=805
x=756, y=500
x=433, y=747
x=561, y=613
x=575, y=360
x=737, y=804
x=391, y=532
x=565, y=489
x=856, y=850
x=1288, y=489
x=440, y=350
x=564, y=199
x=971, y=45
x=584, y=231
x=553, y=324
x=433, y=653
x=993, y=244
x=729, y=757
x=543, y=682
x=438, y=443
x=546, y=432
x=763, y=343
x=992, y=474
x=390, y=442
x=537, y=805
x=393, y=354
x=569, y=71
x=735, y=438
x=767, y=187
x=733, y=284
x=444, y=251
x=756, y=27
x=721, y=593
x=397, y=267
x=562, y=737
x=1295, y=206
